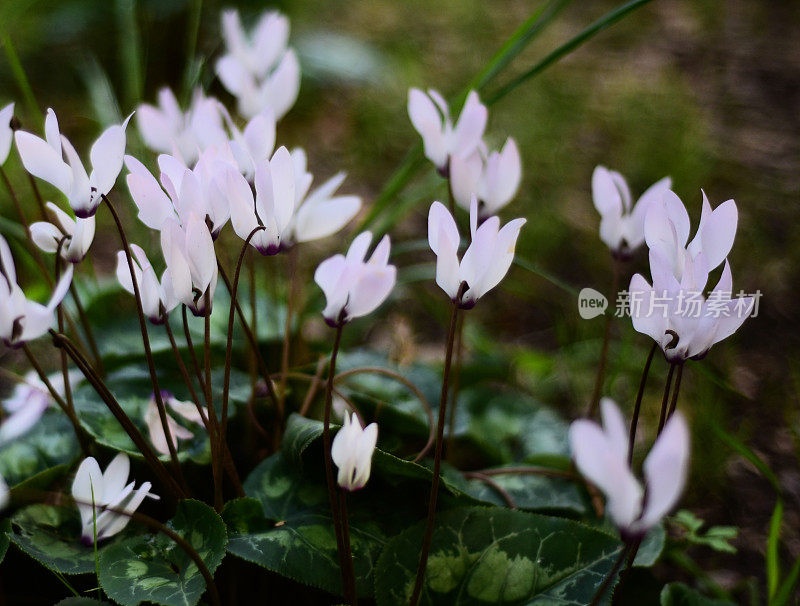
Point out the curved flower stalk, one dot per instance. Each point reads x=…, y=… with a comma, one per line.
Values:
x=22, y=320
x=493, y=178
x=188, y=250
x=187, y=410
x=167, y=129
x=185, y=192
x=485, y=261
x=621, y=221
x=77, y=235
x=28, y=401
x=94, y=491
x=44, y=158
x=353, y=286
x=271, y=208
x=158, y=298
x=601, y=455
x=352, y=451
x=431, y=118
x=259, y=68
x=677, y=315
x=666, y=229
x=6, y=132
x=321, y=213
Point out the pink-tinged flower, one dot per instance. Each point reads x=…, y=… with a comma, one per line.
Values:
x=431, y=118
x=185, y=192
x=5, y=494
x=28, y=401
x=44, y=158
x=158, y=297
x=320, y=213
x=191, y=260
x=485, y=261
x=353, y=286
x=167, y=129
x=492, y=178
x=666, y=229
x=94, y=492
x=352, y=450
x=6, y=132
x=258, y=68
x=271, y=208
x=22, y=320
x=254, y=145
x=601, y=455
x=678, y=315
x=187, y=410
x=621, y=221
x=77, y=235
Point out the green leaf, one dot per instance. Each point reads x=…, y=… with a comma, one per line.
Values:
x=5, y=529
x=492, y=555
x=50, y=443
x=82, y=601
x=51, y=535
x=651, y=547
x=678, y=594
x=300, y=433
x=287, y=528
x=511, y=426
x=531, y=491
x=155, y=569
x=132, y=387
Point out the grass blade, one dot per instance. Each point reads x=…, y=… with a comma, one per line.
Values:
x=772, y=559
x=747, y=453
x=20, y=76
x=130, y=45
x=785, y=593
x=525, y=33
x=604, y=22
x=414, y=159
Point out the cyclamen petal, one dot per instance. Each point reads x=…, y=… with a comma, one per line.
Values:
x=486, y=260
x=94, y=492
x=6, y=132
x=352, y=286
x=352, y=450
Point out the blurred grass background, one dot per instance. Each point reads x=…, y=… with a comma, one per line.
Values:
x=706, y=91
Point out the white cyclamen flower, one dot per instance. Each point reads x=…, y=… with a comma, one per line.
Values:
x=667, y=226
x=191, y=260
x=493, y=179
x=44, y=158
x=77, y=235
x=259, y=69
x=253, y=145
x=271, y=208
x=320, y=213
x=152, y=419
x=431, y=118
x=28, y=401
x=621, y=221
x=158, y=298
x=353, y=286
x=6, y=132
x=352, y=450
x=188, y=192
x=95, y=491
x=678, y=315
x=167, y=129
x=22, y=320
x=5, y=494
x=485, y=261
x=601, y=455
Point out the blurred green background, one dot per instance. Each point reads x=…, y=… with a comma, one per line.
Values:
x=706, y=91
